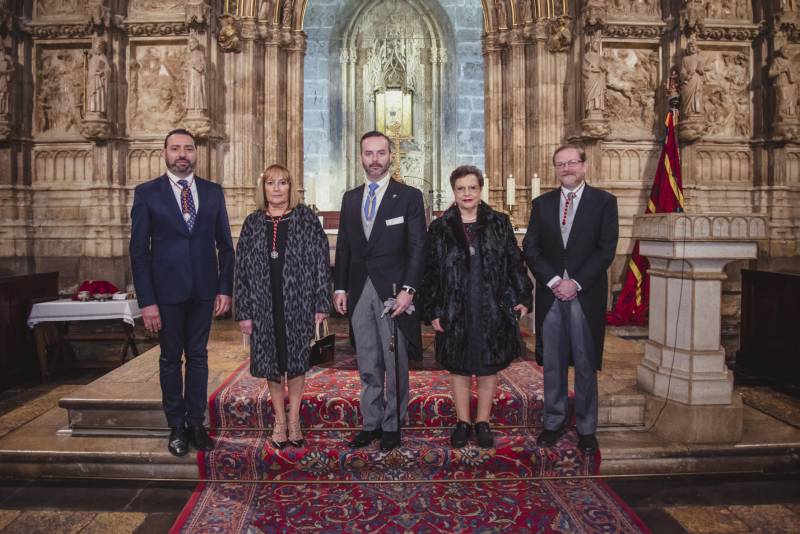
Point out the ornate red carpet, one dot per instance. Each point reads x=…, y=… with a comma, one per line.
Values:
x=423, y=486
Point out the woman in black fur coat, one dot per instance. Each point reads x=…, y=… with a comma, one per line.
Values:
x=474, y=289
x=282, y=290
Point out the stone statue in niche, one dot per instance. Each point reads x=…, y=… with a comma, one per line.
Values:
x=594, y=78
x=60, y=91
x=525, y=11
x=286, y=17
x=6, y=73
x=196, y=77
x=99, y=72
x=632, y=81
x=502, y=13
x=99, y=13
x=156, y=90
x=197, y=12
x=785, y=81
x=693, y=75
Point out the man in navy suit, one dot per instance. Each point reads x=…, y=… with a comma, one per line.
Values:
x=182, y=259
x=570, y=243
x=379, y=252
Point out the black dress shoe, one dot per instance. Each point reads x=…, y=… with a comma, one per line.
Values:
x=199, y=438
x=483, y=433
x=364, y=438
x=587, y=443
x=178, y=444
x=548, y=438
x=460, y=435
x=390, y=440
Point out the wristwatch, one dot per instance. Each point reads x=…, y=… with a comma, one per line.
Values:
x=408, y=289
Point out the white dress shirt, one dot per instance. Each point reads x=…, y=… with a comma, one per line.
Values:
x=575, y=202
x=176, y=189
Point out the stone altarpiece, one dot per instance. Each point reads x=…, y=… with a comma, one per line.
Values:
x=89, y=87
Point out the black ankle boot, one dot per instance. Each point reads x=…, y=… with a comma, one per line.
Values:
x=460, y=434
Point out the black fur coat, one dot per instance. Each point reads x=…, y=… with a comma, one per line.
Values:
x=445, y=293
x=306, y=289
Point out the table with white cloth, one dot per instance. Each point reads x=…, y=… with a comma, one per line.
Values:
x=63, y=313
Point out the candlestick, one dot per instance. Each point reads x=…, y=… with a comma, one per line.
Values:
x=537, y=185
x=511, y=191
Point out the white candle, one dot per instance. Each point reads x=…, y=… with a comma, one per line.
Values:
x=511, y=191
x=485, y=190
x=537, y=185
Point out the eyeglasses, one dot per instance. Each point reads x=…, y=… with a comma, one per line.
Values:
x=570, y=163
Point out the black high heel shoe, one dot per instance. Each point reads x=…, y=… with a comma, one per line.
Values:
x=278, y=432
x=296, y=436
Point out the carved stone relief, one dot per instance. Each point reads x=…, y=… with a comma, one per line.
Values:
x=157, y=8
x=723, y=165
x=144, y=164
x=59, y=91
x=61, y=8
x=634, y=8
x=157, y=82
x=726, y=93
x=631, y=89
x=629, y=164
x=63, y=165
x=6, y=91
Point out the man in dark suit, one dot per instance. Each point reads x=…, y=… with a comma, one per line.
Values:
x=570, y=243
x=182, y=259
x=379, y=255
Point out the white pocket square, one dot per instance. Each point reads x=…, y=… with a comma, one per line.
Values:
x=396, y=220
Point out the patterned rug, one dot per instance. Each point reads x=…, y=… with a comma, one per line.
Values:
x=422, y=486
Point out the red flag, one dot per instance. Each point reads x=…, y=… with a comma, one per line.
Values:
x=666, y=196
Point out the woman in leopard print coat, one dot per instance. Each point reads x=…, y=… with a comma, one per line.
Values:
x=282, y=288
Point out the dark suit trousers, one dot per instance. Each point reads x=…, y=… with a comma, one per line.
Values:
x=565, y=330
x=184, y=330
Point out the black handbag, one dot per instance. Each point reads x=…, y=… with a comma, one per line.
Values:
x=322, y=346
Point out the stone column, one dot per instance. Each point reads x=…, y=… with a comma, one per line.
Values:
x=684, y=362
x=519, y=127
x=274, y=134
x=294, y=111
x=493, y=91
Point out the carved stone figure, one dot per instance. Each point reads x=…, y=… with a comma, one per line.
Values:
x=693, y=13
x=595, y=12
x=59, y=91
x=559, y=35
x=197, y=12
x=6, y=73
x=726, y=107
x=630, y=90
x=99, y=13
x=502, y=13
x=785, y=81
x=525, y=10
x=156, y=91
x=693, y=71
x=228, y=38
x=98, y=74
x=287, y=15
x=196, y=77
x=594, y=77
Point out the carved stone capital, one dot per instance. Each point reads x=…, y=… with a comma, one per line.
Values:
x=96, y=127
x=559, y=34
x=6, y=127
x=229, y=36
x=197, y=14
x=297, y=41
x=787, y=130
x=693, y=16
x=595, y=13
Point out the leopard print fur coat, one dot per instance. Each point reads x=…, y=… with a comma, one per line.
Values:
x=306, y=289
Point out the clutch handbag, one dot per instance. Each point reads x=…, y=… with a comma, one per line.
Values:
x=322, y=346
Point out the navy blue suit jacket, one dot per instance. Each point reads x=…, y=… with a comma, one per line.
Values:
x=170, y=264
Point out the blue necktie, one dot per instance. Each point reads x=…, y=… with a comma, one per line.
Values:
x=369, y=204
x=187, y=204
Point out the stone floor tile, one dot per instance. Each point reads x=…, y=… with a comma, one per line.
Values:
x=157, y=522
x=768, y=518
x=31, y=410
x=50, y=522
x=7, y=517
x=708, y=520
x=115, y=523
